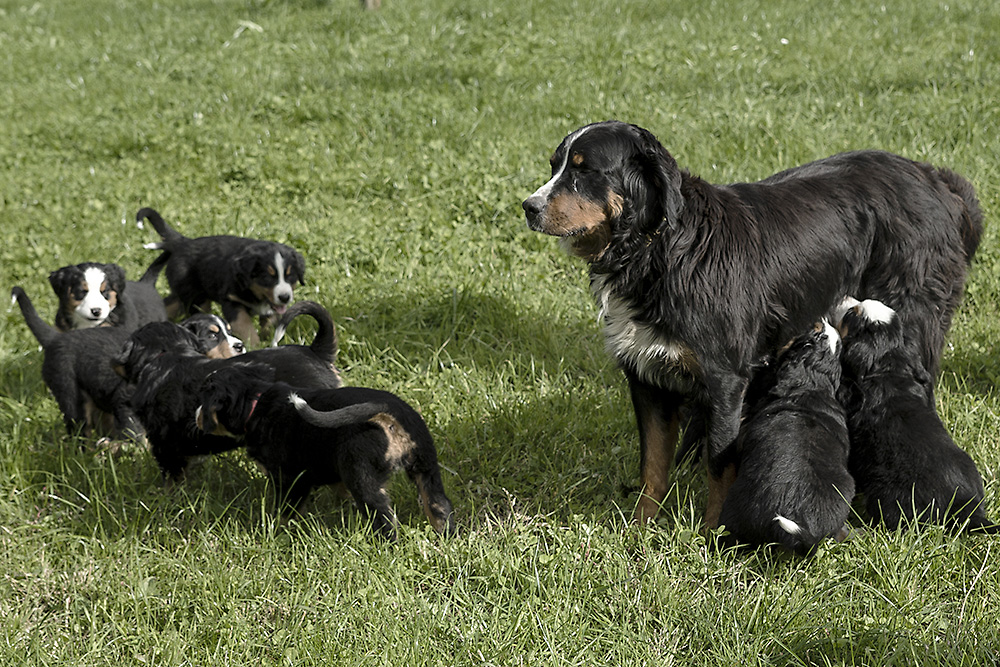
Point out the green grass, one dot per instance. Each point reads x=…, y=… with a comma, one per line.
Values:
x=393, y=149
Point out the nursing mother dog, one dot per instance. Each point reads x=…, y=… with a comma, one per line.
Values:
x=697, y=283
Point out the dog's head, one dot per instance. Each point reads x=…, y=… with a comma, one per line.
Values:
x=87, y=293
x=270, y=271
x=817, y=350
x=152, y=341
x=608, y=179
x=216, y=334
x=228, y=397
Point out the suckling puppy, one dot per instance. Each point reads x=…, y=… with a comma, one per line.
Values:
x=77, y=370
x=92, y=294
x=307, y=438
x=246, y=277
x=697, y=282
x=902, y=457
x=792, y=484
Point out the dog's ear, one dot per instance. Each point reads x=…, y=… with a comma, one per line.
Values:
x=653, y=181
x=115, y=276
x=62, y=279
x=244, y=265
x=119, y=362
x=299, y=264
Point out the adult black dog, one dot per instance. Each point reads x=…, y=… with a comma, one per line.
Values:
x=696, y=282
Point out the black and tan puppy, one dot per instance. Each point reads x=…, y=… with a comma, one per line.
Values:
x=792, y=484
x=697, y=282
x=307, y=438
x=902, y=457
x=246, y=277
x=77, y=370
x=216, y=333
x=93, y=294
x=166, y=365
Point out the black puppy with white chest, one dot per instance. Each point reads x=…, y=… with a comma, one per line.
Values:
x=92, y=294
x=246, y=277
x=792, y=484
x=307, y=438
x=902, y=457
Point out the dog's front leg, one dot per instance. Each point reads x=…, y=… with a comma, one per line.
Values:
x=726, y=397
x=657, y=413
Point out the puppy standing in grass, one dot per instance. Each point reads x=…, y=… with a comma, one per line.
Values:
x=792, y=484
x=305, y=438
x=902, y=457
x=246, y=277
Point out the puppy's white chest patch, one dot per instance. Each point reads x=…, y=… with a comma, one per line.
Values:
x=655, y=358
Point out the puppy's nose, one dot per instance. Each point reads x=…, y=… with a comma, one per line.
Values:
x=95, y=311
x=284, y=298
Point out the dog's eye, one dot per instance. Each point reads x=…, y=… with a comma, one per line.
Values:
x=271, y=271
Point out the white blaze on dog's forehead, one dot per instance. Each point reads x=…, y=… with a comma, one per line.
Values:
x=876, y=311
x=94, y=307
x=848, y=302
x=788, y=525
x=283, y=286
x=832, y=335
x=547, y=188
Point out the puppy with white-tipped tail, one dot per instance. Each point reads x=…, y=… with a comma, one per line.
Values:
x=792, y=484
x=304, y=438
x=904, y=460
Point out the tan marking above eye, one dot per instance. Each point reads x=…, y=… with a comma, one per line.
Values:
x=271, y=271
x=214, y=328
x=577, y=159
x=104, y=286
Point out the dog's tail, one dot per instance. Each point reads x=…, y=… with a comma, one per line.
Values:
x=972, y=215
x=166, y=232
x=153, y=272
x=43, y=331
x=352, y=414
x=324, y=345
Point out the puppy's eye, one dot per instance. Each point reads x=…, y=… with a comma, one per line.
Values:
x=271, y=271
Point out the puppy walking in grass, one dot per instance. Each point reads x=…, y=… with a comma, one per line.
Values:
x=246, y=277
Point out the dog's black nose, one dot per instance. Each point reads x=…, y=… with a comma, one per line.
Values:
x=284, y=298
x=95, y=311
x=533, y=206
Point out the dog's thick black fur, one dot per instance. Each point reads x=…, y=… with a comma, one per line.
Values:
x=93, y=294
x=312, y=365
x=792, y=485
x=166, y=365
x=902, y=457
x=77, y=370
x=246, y=277
x=697, y=283
x=306, y=438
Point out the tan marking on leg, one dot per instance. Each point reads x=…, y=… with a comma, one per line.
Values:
x=718, y=489
x=658, y=457
x=244, y=329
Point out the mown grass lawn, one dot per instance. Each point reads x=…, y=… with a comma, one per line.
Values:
x=393, y=149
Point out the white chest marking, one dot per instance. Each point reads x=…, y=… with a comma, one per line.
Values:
x=635, y=344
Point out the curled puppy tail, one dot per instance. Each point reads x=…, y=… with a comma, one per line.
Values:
x=42, y=330
x=352, y=414
x=324, y=345
x=166, y=232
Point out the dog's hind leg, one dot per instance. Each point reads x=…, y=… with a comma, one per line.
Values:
x=376, y=505
x=657, y=413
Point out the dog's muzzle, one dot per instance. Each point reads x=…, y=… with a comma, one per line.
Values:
x=534, y=207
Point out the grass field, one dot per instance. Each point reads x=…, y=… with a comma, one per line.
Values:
x=393, y=149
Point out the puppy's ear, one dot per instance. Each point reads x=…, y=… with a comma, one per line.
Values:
x=653, y=181
x=299, y=264
x=62, y=279
x=120, y=360
x=115, y=276
x=244, y=264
